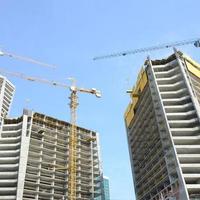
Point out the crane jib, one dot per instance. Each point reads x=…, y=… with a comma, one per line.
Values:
x=195, y=42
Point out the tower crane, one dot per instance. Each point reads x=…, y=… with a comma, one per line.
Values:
x=73, y=131
x=27, y=59
x=195, y=42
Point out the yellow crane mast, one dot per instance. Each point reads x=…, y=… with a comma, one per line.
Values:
x=73, y=136
x=72, y=169
x=73, y=146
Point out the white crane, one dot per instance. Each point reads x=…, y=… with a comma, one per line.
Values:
x=27, y=59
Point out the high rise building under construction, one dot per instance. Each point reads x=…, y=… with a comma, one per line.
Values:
x=7, y=90
x=34, y=159
x=163, y=129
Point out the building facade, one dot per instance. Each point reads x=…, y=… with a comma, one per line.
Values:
x=34, y=155
x=163, y=129
x=7, y=90
x=106, y=189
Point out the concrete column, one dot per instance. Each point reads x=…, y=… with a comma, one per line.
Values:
x=25, y=141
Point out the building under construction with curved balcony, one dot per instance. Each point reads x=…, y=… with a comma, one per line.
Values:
x=34, y=159
x=7, y=90
x=163, y=129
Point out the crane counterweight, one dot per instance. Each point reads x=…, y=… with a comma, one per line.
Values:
x=197, y=43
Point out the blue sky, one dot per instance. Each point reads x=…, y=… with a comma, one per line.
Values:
x=69, y=34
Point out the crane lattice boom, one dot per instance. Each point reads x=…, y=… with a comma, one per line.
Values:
x=27, y=59
x=196, y=43
x=33, y=79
